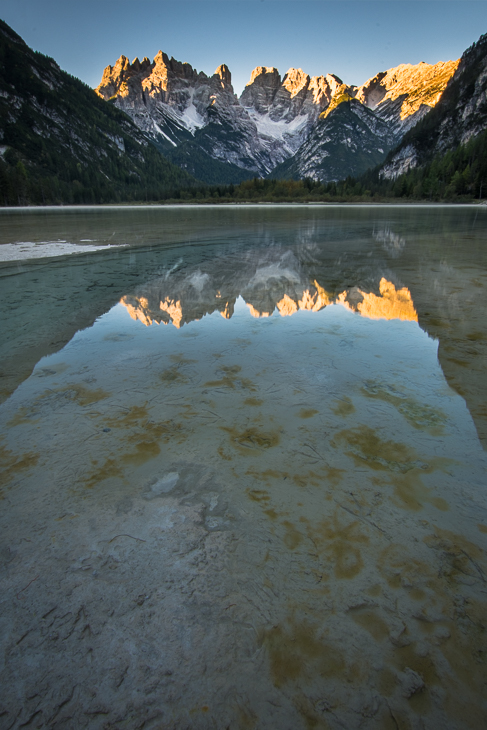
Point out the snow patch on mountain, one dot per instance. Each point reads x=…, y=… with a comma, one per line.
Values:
x=159, y=131
x=191, y=119
x=290, y=134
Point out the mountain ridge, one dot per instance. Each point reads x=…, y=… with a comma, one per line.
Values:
x=269, y=123
x=460, y=115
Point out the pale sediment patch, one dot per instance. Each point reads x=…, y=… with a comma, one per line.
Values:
x=24, y=250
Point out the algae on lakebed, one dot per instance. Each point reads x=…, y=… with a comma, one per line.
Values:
x=368, y=447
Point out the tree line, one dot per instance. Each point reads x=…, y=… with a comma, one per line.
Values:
x=457, y=176
x=460, y=175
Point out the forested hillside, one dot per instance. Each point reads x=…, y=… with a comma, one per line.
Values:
x=60, y=143
x=459, y=174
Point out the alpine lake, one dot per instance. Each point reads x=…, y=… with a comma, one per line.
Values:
x=244, y=468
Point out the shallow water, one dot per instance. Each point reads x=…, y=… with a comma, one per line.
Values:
x=244, y=474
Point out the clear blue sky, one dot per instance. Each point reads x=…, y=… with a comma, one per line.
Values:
x=354, y=40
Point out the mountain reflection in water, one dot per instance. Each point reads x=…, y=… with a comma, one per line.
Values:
x=176, y=309
x=437, y=254
x=211, y=524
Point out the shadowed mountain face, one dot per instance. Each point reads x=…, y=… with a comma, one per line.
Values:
x=202, y=126
x=350, y=138
x=425, y=265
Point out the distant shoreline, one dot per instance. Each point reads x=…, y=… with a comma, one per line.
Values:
x=244, y=204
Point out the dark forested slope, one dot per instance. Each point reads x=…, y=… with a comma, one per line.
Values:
x=60, y=143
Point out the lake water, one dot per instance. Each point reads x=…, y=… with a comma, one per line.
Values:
x=244, y=467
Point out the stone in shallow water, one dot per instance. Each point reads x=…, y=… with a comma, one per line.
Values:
x=166, y=484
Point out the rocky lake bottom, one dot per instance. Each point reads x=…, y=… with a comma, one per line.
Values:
x=244, y=470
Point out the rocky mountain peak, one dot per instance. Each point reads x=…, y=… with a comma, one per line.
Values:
x=296, y=95
x=121, y=63
x=460, y=114
x=140, y=66
x=265, y=75
x=223, y=72
x=295, y=81
x=263, y=86
x=122, y=69
x=169, y=69
x=115, y=78
x=333, y=81
x=321, y=89
x=406, y=91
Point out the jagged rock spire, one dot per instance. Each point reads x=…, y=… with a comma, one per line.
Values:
x=224, y=73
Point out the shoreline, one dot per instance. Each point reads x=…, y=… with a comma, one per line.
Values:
x=137, y=206
x=57, y=237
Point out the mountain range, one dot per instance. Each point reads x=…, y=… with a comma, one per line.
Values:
x=153, y=129
x=296, y=126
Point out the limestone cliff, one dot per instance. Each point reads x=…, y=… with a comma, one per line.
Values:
x=359, y=125
x=164, y=88
x=173, y=102
x=286, y=111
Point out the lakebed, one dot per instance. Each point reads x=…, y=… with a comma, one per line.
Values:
x=244, y=468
